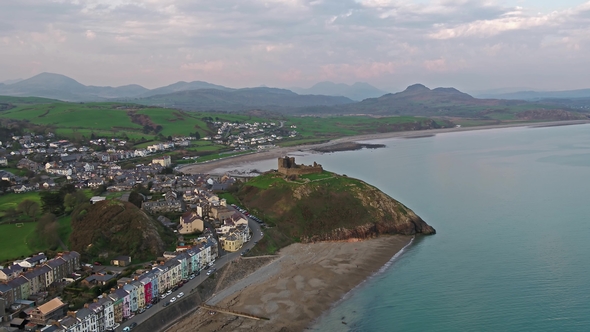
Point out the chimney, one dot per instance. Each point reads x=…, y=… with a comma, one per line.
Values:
x=71, y=314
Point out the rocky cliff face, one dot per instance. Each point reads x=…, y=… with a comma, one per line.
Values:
x=391, y=217
x=327, y=208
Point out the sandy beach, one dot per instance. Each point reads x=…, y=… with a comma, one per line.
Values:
x=211, y=166
x=299, y=285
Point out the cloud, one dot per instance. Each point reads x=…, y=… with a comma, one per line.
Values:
x=487, y=28
x=251, y=42
x=357, y=71
x=207, y=66
x=90, y=35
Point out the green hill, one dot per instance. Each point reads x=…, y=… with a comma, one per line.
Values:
x=110, y=119
x=117, y=228
x=325, y=206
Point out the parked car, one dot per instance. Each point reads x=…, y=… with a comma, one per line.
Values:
x=172, y=300
x=181, y=294
x=148, y=306
x=192, y=276
x=141, y=311
x=133, y=325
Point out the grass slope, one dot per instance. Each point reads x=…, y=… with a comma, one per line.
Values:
x=17, y=242
x=25, y=100
x=317, y=205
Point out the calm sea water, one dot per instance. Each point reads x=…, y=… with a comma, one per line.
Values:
x=512, y=251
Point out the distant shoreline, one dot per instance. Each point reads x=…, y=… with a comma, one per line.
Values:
x=211, y=166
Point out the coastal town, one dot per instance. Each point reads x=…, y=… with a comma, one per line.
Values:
x=206, y=228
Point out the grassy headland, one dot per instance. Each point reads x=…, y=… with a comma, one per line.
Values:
x=324, y=206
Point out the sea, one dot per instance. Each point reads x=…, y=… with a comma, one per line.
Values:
x=512, y=249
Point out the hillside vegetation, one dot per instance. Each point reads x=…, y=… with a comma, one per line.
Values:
x=115, y=228
x=325, y=206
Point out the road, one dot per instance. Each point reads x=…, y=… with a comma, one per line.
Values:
x=222, y=260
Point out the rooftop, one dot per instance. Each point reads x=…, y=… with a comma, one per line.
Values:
x=50, y=306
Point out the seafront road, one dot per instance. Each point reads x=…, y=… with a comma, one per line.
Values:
x=192, y=284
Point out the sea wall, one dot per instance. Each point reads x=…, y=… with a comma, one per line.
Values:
x=164, y=319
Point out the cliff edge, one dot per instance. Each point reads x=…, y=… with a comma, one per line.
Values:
x=325, y=207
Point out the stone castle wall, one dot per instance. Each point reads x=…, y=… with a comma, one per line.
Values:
x=287, y=166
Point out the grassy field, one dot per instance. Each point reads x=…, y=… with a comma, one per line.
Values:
x=26, y=100
x=113, y=119
x=11, y=200
x=230, y=199
x=13, y=240
x=16, y=242
x=339, y=126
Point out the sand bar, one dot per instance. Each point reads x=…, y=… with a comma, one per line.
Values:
x=211, y=166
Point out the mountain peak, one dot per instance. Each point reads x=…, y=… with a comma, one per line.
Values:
x=417, y=88
x=49, y=80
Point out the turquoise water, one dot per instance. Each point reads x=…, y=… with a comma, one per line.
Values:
x=512, y=250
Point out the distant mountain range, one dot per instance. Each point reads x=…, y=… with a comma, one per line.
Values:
x=418, y=100
x=61, y=87
x=270, y=99
x=540, y=95
x=11, y=81
x=358, y=91
x=322, y=99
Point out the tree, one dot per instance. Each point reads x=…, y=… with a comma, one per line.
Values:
x=10, y=212
x=197, y=135
x=136, y=199
x=29, y=208
x=4, y=185
x=73, y=199
x=52, y=202
x=167, y=170
x=48, y=230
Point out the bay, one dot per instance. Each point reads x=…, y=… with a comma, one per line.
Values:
x=511, y=252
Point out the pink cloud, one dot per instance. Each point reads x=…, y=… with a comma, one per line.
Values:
x=359, y=71
x=205, y=66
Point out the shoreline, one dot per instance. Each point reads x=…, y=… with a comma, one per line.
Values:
x=209, y=167
x=295, y=290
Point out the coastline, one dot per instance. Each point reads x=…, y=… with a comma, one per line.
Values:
x=298, y=287
x=210, y=166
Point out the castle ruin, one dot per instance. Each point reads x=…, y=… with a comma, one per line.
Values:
x=288, y=167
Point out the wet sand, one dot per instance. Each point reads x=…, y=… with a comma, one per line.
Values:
x=296, y=288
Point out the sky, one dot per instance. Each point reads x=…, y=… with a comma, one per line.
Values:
x=470, y=45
